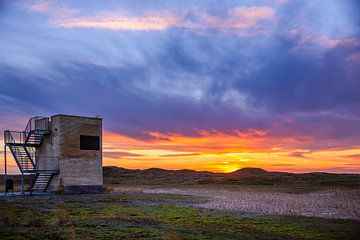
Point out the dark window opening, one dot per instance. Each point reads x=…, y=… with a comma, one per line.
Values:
x=89, y=142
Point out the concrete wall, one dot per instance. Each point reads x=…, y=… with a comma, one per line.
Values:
x=79, y=170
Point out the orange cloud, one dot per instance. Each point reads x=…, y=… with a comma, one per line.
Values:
x=220, y=152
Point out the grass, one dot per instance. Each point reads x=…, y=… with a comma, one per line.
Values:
x=136, y=215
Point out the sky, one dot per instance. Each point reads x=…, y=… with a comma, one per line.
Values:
x=205, y=85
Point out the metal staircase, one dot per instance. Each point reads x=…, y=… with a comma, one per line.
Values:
x=22, y=158
x=42, y=181
x=23, y=146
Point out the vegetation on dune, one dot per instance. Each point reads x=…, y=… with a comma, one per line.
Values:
x=245, y=176
x=151, y=216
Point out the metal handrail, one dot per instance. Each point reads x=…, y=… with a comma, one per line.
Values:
x=14, y=137
x=36, y=124
x=8, y=138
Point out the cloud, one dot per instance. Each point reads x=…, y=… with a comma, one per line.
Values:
x=138, y=99
x=354, y=156
x=41, y=6
x=305, y=38
x=52, y=8
x=153, y=22
x=298, y=154
x=238, y=19
x=298, y=82
x=180, y=155
x=354, y=58
x=283, y=164
x=180, y=83
x=118, y=154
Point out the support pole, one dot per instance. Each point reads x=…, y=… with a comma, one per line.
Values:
x=22, y=183
x=31, y=183
x=5, y=167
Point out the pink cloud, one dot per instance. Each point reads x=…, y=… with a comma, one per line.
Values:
x=155, y=22
x=52, y=8
x=354, y=58
x=248, y=17
x=238, y=19
x=41, y=6
x=306, y=38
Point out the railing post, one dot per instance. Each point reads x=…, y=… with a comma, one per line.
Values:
x=5, y=167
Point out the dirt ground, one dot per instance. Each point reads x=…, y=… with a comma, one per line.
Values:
x=342, y=204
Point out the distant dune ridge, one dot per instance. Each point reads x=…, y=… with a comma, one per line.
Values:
x=244, y=176
x=247, y=176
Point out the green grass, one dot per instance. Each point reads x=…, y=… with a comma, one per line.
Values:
x=151, y=216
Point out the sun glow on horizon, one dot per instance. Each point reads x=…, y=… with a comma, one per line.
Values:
x=220, y=152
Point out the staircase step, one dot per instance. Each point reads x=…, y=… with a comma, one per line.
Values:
x=41, y=182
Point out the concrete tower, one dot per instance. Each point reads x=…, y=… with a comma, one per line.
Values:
x=63, y=152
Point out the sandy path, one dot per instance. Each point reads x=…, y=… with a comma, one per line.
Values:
x=328, y=204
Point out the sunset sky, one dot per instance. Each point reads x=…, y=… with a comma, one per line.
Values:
x=205, y=85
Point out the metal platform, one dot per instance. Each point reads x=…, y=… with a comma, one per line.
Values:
x=15, y=194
